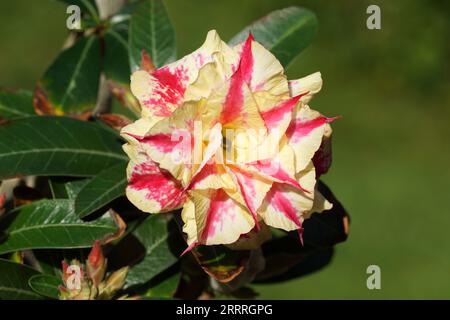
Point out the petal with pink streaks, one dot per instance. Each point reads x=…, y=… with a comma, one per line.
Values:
x=305, y=134
x=219, y=218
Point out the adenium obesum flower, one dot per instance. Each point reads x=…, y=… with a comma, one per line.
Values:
x=224, y=135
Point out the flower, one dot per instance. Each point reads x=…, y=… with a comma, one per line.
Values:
x=224, y=135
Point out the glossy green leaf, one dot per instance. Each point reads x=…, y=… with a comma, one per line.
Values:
x=14, y=281
x=117, y=71
x=57, y=146
x=156, y=235
x=14, y=105
x=73, y=188
x=45, y=285
x=102, y=189
x=71, y=83
x=50, y=224
x=152, y=31
x=64, y=188
x=58, y=187
x=285, y=32
x=116, y=62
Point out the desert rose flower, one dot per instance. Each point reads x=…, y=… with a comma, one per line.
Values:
x=226, y=137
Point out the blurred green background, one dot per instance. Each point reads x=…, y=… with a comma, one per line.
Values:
x=391, y=149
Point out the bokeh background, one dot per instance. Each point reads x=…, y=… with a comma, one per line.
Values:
x=391, y=148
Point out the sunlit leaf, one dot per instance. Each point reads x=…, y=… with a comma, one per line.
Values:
x=70, y=85
x=50, y=224
x=102, y=189
x=156, y=235
x=285, y=32
x=152, y=31
x=57, y=146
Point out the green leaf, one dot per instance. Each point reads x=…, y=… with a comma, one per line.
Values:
x=155, y=234
x=285, y=32
x=102, y=189
x=48, y=224
x=152, y=31
x=45, y=285
x=63, y=188
x=71, y=83
x=164, y=288
x=14, y=105
x=57, y=146
x=58, y=187
x=116, y=62
x=14, y=281
x=73, y=188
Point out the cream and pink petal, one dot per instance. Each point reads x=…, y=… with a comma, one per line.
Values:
x=320, y=204
x=219, y=218
x=150, y=189
x=279, y=169
x=253, y=189
x=264, y=72
x=305, y=135
x=239, y=110
x=284, y=206
x=162, y=91
x=171, y=142
x=307, y=86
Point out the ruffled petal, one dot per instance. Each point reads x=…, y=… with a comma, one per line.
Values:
x=279, y=169
x=305, y=135
x=320, y=204
x=177, y=143
x=264, y=73
x=219, y=218
x=138, y=129
x=253, y=189
x=284, y=206
x=240, y=110
x=307, y=86
x=163, y=91
x=149, y=188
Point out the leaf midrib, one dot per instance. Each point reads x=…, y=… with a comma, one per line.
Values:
x=65, y=150
x=290, y=31
x=58, y=224
x=23, y=291
x=152, y=34
x=14, y=111
x=70, y=86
